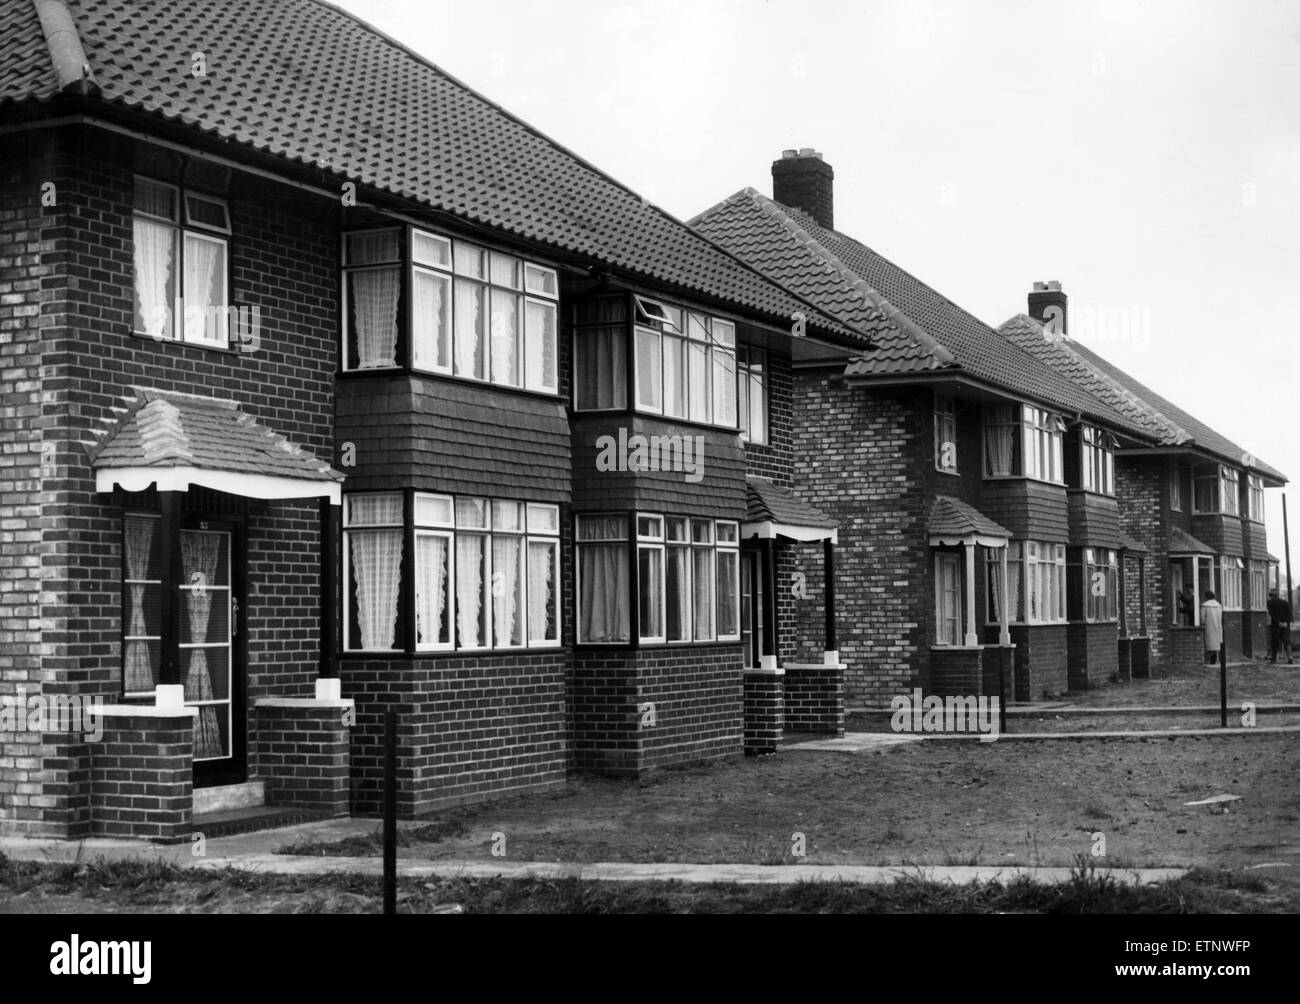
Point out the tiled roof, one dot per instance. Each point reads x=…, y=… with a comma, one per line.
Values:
x=182, y=430
x=935, y=334
x=1182, y=542
x=1169, y=424
x=770, y=502
x=950, y=517
x=1130, y=544
x=306, y=82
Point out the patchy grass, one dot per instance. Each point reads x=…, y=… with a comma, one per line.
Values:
x=130, y=887
x=1256, y=681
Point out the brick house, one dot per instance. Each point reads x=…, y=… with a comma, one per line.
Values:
x=331, y=388
x=1193, y=499
x=969, y=475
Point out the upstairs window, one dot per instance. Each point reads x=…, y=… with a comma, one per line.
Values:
x=181, y=265
x=1176, y=489
x=945, y=434
x=1255, y=497
x=1023, y=441
x=1230, y=491
x=470, y=311
x=751, y=373
x=1216, y=489
x=1097, y=460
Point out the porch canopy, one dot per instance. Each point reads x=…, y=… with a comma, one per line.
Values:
x=773, y=512
x=178, y=440
x=954, y=523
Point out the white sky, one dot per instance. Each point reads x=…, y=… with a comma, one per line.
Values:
x=1147, y=155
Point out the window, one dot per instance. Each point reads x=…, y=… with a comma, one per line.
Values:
x=1230, y=490
x=1100, y=584
x=1255, y=497
x=1230, y=581
x=372, y=571
x=1045, y=582
x=947, y=598
x=687, y=579
x=945, y=434
x=1258, y=585
x=751, y=369
x=486, y=573
x=1097, y=460
x=1176, y=489
x=1021, y=440
x=141, y=604
x=1015, y=582
x=474, y=313
x=1205, y=490
x=603, y=613
x=684, y=363
x=181, y=269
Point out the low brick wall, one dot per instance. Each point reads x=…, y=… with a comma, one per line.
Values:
x=999, y=665
x=301, y=752
x=1042, y=661
x=814, y=698
x=1092, y=654
x=1186, y=647
x=764, y=712
x=1140, y=654
x=141, y=777
x=956, y=671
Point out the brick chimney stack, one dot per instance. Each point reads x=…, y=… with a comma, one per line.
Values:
x=1047, y=305
x=802, y=180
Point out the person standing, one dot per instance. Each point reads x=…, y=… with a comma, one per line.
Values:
x=1212, y=622
x=1279, y=626
x=1186, y=612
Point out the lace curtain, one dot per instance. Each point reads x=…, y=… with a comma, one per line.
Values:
x=541, y=590
x=506, y=614
x=376, y=560
x=469, y=329
x=199, y=554
x=202, y=261
x=154, y=246
x=141, y=674
x=374, y=315
x=470, y=554
x=505, y=337
x=539, y=347
x=432, y=347
x=430, y=588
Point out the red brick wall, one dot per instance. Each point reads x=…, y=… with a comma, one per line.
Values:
x=814, y=699
x=764, y=712
x=302, y=755
x=1042, y=669
x=1142, y=486
x=141, y=778
x=471, y=726
x=697, y=693
x=1093, y=654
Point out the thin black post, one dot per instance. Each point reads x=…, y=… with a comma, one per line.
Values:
x=769, y=646
x=1004, y=657
x=1223, y=680
x=828, y=559
x=390, y=812
x=1286, y=546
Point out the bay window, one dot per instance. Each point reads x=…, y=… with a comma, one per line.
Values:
x=751, y=406
x=687, y=583
x=684, y=363
x=180, y=256
x=1021, y=440
x=473, y=312
x=1205, y=490
x=1255, y=497
x=1176, y=489
x=1097, y=460
x=1045, y=582
x=1015, y=583
x=486, y=572
x=1230, y=491
x=1258, y=585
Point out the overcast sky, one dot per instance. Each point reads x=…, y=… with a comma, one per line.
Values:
x=1147, y=155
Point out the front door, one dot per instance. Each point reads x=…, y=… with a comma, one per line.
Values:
x=210, y=650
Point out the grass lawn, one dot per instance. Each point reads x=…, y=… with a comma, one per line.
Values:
x=129, y=887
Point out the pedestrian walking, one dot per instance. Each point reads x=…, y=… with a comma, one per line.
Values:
x=1212, y=622
x=1279, y=626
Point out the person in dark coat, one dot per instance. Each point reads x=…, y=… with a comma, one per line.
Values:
x=1186, y=607
x=1279, y=626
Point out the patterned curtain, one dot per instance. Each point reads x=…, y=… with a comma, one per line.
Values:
x=141, y=675
x=199, y=553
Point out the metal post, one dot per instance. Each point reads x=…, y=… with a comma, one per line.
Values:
x=1286, y=545
x=1223, y=680
x=390, y=812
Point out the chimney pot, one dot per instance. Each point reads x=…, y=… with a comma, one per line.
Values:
x=789, y=154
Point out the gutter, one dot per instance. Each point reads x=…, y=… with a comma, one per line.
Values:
x=68, y=58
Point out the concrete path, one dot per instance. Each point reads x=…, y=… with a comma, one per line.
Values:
x=869, y=742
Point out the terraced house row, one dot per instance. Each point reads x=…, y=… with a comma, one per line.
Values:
x=331, y=388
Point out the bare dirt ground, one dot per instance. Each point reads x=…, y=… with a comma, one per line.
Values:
x=929, y=802
x=1257, y=681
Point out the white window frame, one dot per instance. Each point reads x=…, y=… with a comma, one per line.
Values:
x=1229, y=491
x=578, y=542
x=751, y=376
x=945, y=431
x=730, y=549
x=1231, y=573
x=941, y=559
x=1176, y=488
x=652, y=542
x=1044, y=582
x=1096, y=460
x=1255, y=498
x=349, y=528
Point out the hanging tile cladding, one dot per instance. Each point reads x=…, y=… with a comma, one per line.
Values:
x=1255, y=540
x=1223, y=533
x=774, y=459
x=1094, y=520
x=452, y=436
x=720, y=493
x=1030, y=510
